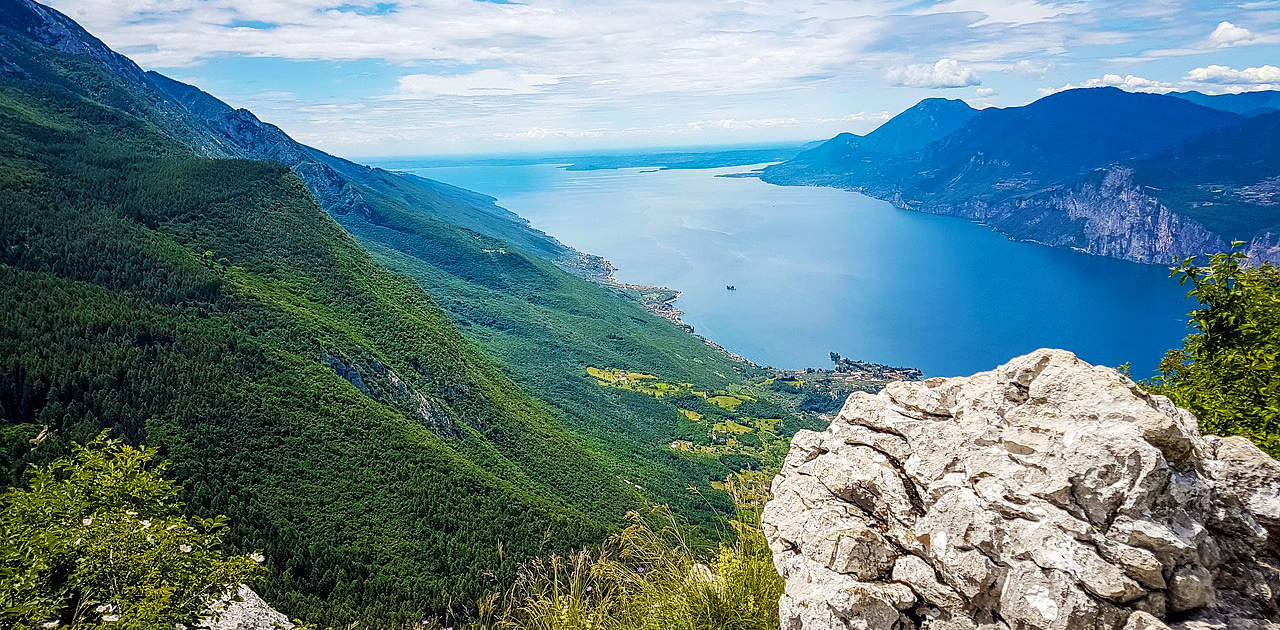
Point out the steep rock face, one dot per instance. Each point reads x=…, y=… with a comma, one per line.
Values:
x=1046, y=494
x=250, y=612
x=61, y=33
x=1106, y=214
x=1265, y=247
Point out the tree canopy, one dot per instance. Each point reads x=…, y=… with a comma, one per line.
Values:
x=1226, y=372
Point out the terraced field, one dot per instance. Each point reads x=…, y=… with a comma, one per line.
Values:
x=744, y=426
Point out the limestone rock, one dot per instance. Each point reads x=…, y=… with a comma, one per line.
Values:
x=250, y=612
x=1045, y=494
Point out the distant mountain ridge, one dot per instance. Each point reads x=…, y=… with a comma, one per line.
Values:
x=1074, y=169
x=1243, y=103
x=344, y=187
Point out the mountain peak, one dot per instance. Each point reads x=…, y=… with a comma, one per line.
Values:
x=919, y=126
x=48, y=26
x=940, y=101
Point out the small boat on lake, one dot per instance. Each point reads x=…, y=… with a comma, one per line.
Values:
x=730, y=287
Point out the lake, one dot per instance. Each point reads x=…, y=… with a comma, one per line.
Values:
x=819, y=270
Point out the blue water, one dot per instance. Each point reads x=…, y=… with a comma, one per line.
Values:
x=821, y=270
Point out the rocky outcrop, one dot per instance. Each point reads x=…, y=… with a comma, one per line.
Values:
x=57, y=31
x=1105, y=214
x=1265, y=247
x=378, y=381
x=1046, y=494
x=246, y=611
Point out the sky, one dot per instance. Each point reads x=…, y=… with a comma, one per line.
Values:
x=371, y=78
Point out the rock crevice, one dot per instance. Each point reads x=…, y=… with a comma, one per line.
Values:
x=1046, y=494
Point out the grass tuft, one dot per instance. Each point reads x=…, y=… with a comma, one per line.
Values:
x=648, y=577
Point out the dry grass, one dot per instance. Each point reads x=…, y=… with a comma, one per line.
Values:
x=647, y=577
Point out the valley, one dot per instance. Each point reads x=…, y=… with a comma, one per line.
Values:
x=378, y=378
x=248, y=384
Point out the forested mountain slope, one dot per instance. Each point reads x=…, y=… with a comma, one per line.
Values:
x=345, y=188
x=156, y=283
x=1061, y=171
x=214, y=129
x=490, y=272
x=209, y=307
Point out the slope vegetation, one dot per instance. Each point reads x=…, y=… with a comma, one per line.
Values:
x=210, y=307
x=396, y=439
x=499, y=280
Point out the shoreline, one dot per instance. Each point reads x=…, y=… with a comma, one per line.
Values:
x=661, y=300
x=656, y=299
x=958, y=211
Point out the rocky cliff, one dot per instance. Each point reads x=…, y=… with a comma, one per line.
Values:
x=246, y=611
x=1046, y=494
x=1105, y=214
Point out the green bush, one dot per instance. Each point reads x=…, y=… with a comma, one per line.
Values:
x=99, y=540
x=1226, y=372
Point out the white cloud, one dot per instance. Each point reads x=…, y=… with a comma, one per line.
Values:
x=1224, y=75
x=946, y=73
x=766, y=123
x=635, y=68
x=626, y=46
x=481, y=82
x=1015, y=12
x=1132, y=83
x=1032, y=68
x=1228, y=34
x=542, y=133
x=1128, y=82
x=983, y=92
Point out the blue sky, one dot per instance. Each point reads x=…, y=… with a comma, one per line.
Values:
x=428, y=77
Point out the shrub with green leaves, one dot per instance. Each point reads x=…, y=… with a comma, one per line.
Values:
x=99, y=540
x=1226, y=373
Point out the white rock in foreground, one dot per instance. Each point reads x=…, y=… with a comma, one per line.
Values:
x=1046, y=494
x=250, y=613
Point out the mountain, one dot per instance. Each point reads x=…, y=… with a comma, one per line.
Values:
x=212, y=309
x=215, y=129
x=385, y=381
x=346, y=188
x=1060, y=171
x=911, y=131
x=1244, y=103
x=1065, y=133
x=508, y=293
x=914, y=129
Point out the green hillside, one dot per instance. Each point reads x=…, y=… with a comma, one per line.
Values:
x=210, y=308
x=501, y=282
x=496, y=277
x=398, y=412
